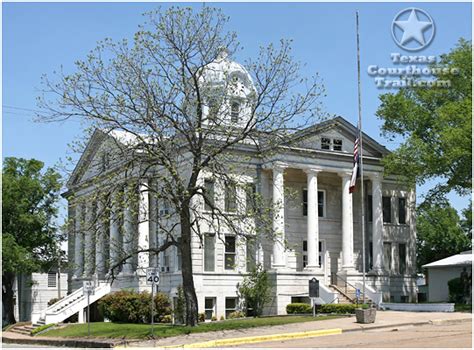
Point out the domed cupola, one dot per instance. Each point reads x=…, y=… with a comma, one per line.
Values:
x=229, y=91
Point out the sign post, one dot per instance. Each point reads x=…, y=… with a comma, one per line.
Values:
x=152, y=279
x=88, y=288
x=314, y=293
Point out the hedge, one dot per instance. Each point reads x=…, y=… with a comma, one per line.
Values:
x=298, y=308
x=133, y=307
x=302, y=308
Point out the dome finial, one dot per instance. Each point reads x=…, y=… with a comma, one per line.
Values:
x=223, y=53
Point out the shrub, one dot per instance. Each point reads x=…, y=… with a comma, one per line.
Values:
x=338, y=308
x=298, y=308
x=222, y=318
x=236, y=314
x=53, y=301
x=213, y=318
x=133, y=307
x=255, y=290
x=202, y=317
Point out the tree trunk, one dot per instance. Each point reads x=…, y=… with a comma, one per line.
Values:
x=8, y=279
x=187, y=269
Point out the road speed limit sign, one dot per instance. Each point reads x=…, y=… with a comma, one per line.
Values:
x=152, y=276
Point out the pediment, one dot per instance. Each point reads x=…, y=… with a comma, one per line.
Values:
x=101, y=153
x=334, y=133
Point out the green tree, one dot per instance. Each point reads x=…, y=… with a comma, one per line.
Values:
x=255, y=289
x=30, y=238
x=439, y=232
x=435, y=124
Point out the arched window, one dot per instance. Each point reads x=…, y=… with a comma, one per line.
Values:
x=234, y=112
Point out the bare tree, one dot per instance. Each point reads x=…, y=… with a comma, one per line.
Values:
x=181, y=111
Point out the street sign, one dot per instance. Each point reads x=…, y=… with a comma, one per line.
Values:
x=152, y=276
x=88, y=287
x=313, y=288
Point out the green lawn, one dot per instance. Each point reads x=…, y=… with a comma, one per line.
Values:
x=141, y=331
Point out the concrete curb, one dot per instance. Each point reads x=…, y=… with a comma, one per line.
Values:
x=65, y=342
x=308, y=334
x=259, y=339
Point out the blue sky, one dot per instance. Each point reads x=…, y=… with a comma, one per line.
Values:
x=40, y=37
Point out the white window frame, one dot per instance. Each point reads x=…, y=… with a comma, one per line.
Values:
x=213, y=309
x=331, y=143
x=204, y=252
x=234, y=254
x=55, y=279
x=317, y=204
x=231, y=310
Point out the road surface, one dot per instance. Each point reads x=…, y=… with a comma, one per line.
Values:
x=427, y=336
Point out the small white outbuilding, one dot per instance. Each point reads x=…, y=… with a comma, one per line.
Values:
x=441, y=271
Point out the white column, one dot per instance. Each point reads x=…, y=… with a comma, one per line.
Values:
x=377, y=223
x=347, y=224
x=143, y=227
x=100, y=252
x=115, y=243
x=89, y=244
x=127, y=238
x=78, y=242
x=313, y=218
x=278, y=215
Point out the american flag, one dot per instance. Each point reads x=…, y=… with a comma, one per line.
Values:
x=355, y=169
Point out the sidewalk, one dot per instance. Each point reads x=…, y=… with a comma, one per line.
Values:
x=317, y=328
x=384, y=319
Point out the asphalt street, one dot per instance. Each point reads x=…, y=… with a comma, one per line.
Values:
x=427, y=336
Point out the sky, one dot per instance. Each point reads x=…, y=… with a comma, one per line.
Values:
x=39, y=38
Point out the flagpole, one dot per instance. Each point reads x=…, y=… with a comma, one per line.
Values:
x=361, y=158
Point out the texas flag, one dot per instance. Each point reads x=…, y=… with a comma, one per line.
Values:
x=355, y=169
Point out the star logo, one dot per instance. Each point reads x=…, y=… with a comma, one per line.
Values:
x=413, y=29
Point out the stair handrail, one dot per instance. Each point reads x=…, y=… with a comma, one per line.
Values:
x=97, y=289
x=345, y=283
x=61, y=301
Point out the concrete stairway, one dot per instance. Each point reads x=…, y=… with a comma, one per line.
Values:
x=71, y=304
x=22, y=329
x=347, y=295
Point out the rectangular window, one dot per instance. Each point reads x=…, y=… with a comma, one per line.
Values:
x=320, y=203
x=166, y=262
x=210, y=307
x=164, y=208
x=337, y=145
x=52, y=279
x=209, y=252
x=401, y=211
x=209, y=194
x=178, y=255
x=369, y=208
x=325, y=143
x=229, y=263
x=371, y=256
x=251, y=253
x=404, y=298
x=305, y=253
x=230, y=197
x=387, y=209
x=250, y=204
x=213, y=110
x=320, y=255
x=402, y=258
x=230, y=306
x=387, y=256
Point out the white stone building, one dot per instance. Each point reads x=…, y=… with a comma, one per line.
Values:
x=320, y=223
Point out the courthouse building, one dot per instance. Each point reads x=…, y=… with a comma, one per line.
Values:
x=320, y=224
